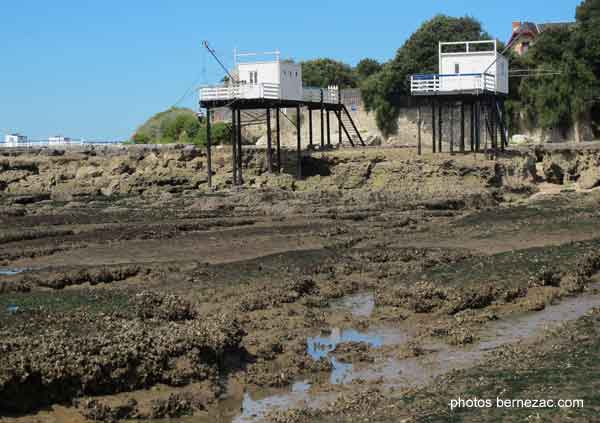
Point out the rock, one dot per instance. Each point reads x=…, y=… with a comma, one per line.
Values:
x=521, y=139
x=352, y=175
x=590, y=178
x=373, y=140
x=119, y=166
x=123, y=355
x=553, y=172
x=166, y=307
x=86, y=172
x=262, y=141
x=393, y=141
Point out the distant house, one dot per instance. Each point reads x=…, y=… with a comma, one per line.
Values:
x=524, y=34
x=15, y=139
x=58, y=140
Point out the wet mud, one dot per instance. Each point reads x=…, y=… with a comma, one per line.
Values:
x=128, y=291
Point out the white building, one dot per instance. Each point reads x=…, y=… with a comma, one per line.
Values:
x=59, y=140
x=271, y=80
x=465, y=67
x=13, y=140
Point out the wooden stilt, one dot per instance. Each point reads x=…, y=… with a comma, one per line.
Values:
x=477, y=126
x=472, y=118
x=440, y=126
x=339, y=116
x=240, y=153
x=451, y=110
x=433, y=128
x=234, y=147
x=310, y=128
x=269, y=143
x=328, y=130
x=462, y=126
x=322, y=124
x=418, y=127
x=299, y=144
x=208, y=149
x=493, y=123
x=278, y=141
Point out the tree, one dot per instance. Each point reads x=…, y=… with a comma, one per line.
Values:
x=367, y=67
x=587, y=43
x=140, y=138
x=560, y=99
x=382, y=92
x=588, y=11
x=587, y=37
x=325, y=72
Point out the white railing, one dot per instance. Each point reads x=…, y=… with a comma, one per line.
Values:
x=424, y=83
x=432, y=83
x=46, y=143
x=489, y=82
x=313, y=94
x=237, y=91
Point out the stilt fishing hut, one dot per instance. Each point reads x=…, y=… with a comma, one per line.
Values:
x=273, y=85
x=472, y=75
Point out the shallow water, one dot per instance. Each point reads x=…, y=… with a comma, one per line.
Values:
x=321, y=346
x=11, y=271
x=359, y=305
x=254, y=409
x=414, y=371
x=395, y=373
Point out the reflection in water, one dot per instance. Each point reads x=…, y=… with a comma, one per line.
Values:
x=359, y=305
x=320, y=346
x=254, y=410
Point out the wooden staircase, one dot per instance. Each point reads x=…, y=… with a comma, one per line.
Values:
x=349, y=127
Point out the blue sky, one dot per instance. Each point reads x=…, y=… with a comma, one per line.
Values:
x=98, y=69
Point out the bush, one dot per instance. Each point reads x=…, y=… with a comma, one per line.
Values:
x=180, y=126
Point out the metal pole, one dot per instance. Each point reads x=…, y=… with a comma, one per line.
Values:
x=208, y=148
x=418, y=127
x=433, y=129
x=269, y=146
x=299, y=144
x=234, y=147
x=278, y=142
x=239, y=149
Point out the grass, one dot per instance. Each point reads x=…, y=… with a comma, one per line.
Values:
x=45, y=306
x=569, y=212
x=509, y=267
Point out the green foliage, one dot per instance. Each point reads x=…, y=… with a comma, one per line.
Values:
x=382, y=92
x=588, y=11
x=367, y=67
x=561, y=98
x=325, y=72
x=181, y=126
x=587, y=36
